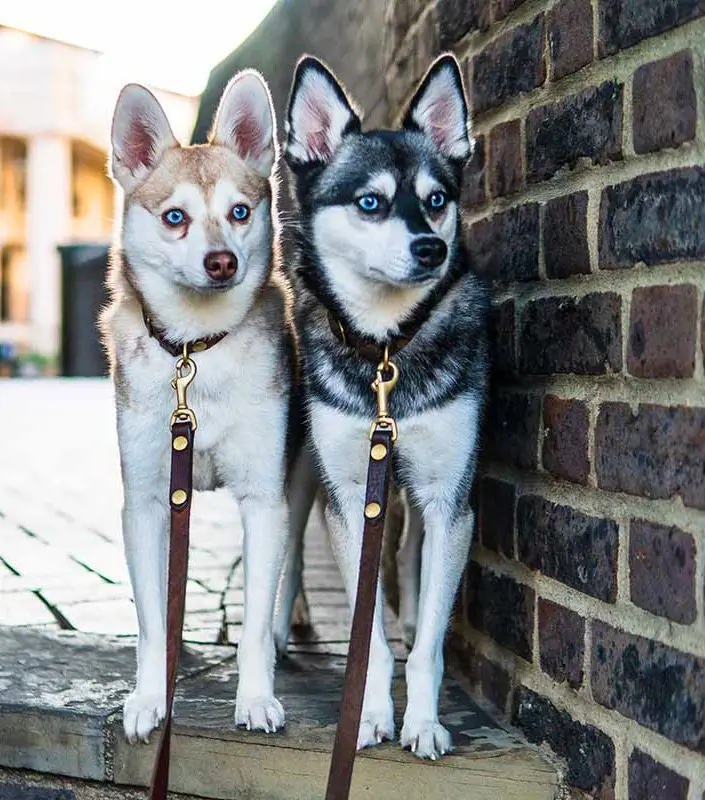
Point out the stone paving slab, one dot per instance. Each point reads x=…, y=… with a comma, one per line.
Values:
x=59, y=713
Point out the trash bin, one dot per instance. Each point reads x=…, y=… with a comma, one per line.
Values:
x=83, y=295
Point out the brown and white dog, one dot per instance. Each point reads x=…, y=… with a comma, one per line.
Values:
x=196, y=255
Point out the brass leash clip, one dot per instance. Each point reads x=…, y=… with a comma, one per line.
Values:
x=185, y=373
x=382, y=386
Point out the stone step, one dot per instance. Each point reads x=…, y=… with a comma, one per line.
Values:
x=60, y=714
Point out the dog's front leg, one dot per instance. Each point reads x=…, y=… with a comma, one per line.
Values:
x=266, y=524
x=444, y=554
x=145, y=530
x=345, y=526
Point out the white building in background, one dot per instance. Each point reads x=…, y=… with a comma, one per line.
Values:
x=56, y=102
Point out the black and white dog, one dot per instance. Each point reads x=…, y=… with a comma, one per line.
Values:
x=381, y=261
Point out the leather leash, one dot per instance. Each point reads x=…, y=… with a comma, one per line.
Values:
x=183, y=428
x=383, y=434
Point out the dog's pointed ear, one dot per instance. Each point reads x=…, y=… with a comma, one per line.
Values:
x=245, y=121
x=319, y=115
x=140, y=136
x=439, y=109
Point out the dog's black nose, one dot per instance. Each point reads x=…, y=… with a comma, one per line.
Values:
x=220, y=265
x=429, y=251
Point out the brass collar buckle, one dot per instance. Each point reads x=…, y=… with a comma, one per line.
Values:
x=185, y=373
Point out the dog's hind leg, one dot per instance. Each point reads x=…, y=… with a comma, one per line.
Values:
x=444, y=555
x=409, y=571
x=290, y=592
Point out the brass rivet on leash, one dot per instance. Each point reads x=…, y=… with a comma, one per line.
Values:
x=178, y=497
x=180, y=443
x=372, y=510
x=198, y=347
x=378, y=452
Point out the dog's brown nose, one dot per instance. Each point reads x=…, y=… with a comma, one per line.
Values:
x=220, y=265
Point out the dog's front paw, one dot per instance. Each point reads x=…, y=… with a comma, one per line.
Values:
x=426, y=739
x=375, y=727
x=259, y=714
x=142, y=714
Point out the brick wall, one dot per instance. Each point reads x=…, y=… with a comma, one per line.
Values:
x=583, y=612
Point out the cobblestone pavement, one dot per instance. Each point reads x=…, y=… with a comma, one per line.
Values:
x=61, y=557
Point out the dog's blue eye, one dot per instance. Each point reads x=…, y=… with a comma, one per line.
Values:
x=240, y=212
x=369, y=203
x=174, y=217
x=437, y=200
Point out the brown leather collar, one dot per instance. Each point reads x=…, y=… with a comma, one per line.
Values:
x=177, y=348
x=370, y=349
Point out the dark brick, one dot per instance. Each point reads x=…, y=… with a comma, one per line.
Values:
x=501, y=608
x=589, y=753
x=561, y=334
x=661, y=688
x=503, y=352
x=587, y=125
x=623, y=23
x=569, y=546
x=649, y=780
x=473, y=193
x=505, y=246
x=500, y=8
x=561, y=643
x=456, y=18
x=496, y=518
x=702, y=341
x=570, y=36
x=511, y=429
x=492, y=681
x=505, y=158
x=565, y=236
x=664, y=103
x=512, y=64
x=662, y=570
x=658, y=452
x=565, y=444
x=662, y=330
x=654, y=218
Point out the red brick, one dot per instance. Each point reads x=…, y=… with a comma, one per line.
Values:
x=493, y=682
x=561, y=643
x=561, y=334
x=657, y=453
x=501, y=608
x=662, y=332
x=662, y=570
x=587, y=125
x=660, y=688
x=565, y=444
x=656, y=218
x=565, y=236
x=496, y=517
x=649, y=780
x=664, y=103
x=512, y=64
x=570, y=36
x=505, y=246
x=473, y=191
x=505, y=159
x=569, y=546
